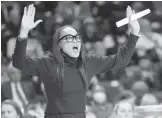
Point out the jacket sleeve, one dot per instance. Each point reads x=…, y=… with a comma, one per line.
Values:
x=96, y=65
x=31, y=66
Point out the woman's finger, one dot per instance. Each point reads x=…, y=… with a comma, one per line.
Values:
x=31, y=9
x=37, y=22
x=133, y=14
x=129, y=14
x=130, y=21
x=129, y=11
x=28, y=10
x=25, y=11
x=33, y=13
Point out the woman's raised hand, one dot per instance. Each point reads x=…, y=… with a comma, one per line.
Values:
x=133, y=25
x=27, y=22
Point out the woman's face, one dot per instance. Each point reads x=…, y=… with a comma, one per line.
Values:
x=8, y=111
x=68, y=43
x=124, y=110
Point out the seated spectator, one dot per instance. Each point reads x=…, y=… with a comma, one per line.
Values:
x=123, y=110
x=10, y=109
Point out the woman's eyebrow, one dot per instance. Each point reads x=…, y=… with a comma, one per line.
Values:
x=63, y=36
x=70, y=35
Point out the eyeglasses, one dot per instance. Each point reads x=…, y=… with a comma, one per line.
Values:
x=70, y=38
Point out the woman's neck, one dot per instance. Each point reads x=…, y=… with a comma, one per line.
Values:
x=68, y=59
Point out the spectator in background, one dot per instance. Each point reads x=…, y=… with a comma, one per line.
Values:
x=12, y=17
x=15, y=18
x=4, y=75
x=132, y=74
x=147, y=71
x=10, y=109
x=102, y=9
x=53, y=22
x=123, y=110
x=90, y=115
x=22, y=92
x=66, y=11
x=10, y=21
x=93, y=84
x=76, y=24
x=142, y=5
x=156, y=37
x=34, y=47
x=34, y=110
x=82, y=9
x=139, y=88
x=149, y=99
x=89, y=112
x=100, y=105
x=98, y=100
x=89, y=34
x=126, y=96
x=109, y=41
x=89, y=30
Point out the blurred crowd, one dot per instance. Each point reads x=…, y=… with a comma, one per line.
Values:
x=140, y=83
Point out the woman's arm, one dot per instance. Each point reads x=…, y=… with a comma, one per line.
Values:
x=20, y=61
x=96, y=65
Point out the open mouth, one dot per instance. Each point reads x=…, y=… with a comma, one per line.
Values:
x=75, y=48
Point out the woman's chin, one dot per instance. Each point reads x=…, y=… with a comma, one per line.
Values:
x=75, y=55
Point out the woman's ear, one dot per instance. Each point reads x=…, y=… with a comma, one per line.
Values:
x=59, y=45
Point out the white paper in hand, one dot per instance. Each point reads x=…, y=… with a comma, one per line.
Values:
x=134, y=17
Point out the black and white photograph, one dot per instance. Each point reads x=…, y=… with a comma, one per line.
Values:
x=81, y=59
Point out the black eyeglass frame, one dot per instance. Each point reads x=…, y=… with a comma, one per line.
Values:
x=80, y=38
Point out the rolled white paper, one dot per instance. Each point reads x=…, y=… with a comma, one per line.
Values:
x=133, y=17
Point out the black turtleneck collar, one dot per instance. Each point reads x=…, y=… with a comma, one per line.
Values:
x=69, y=60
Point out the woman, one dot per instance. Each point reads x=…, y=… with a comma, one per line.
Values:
x=67, y=71
x=10, y=109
